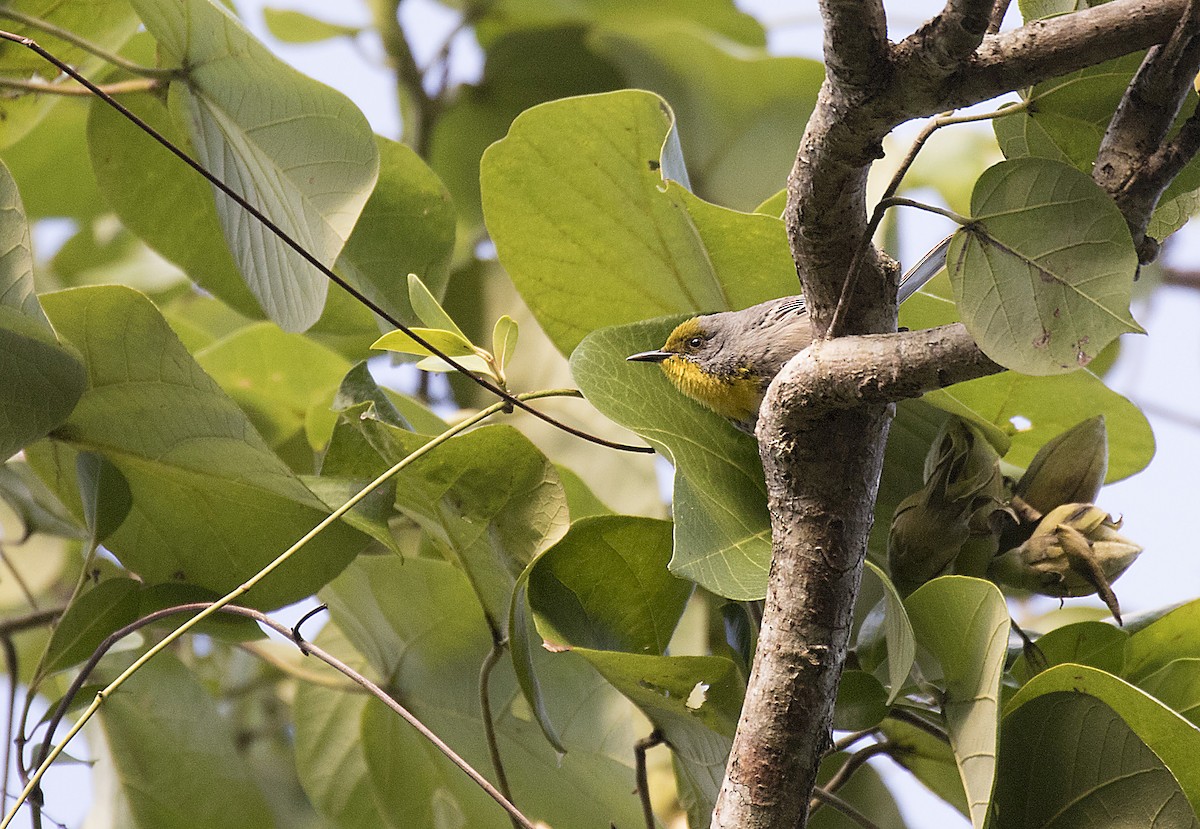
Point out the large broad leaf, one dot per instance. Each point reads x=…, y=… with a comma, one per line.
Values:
x=173, y=751
x=51, y=165
x=166, y=203
x=1164, y=640
x=611, y=164
x=582, y=592
x=1033, y=410
x=493, y=499
x=277, y=378
x=722, y=528
x=211, y=503
x=297, y=150
x=40, y=380
x=105, y=23
x=584, y=588
x=1080, y=743
x=420, y=627
x=888, y=624
x=740, y=109
x=1043, y=273
x=963, y=623
x=330, y=759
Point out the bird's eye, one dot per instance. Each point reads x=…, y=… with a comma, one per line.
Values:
x=695, y=342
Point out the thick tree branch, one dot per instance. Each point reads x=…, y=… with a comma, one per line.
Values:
x=857, y=51
x=1133, y=164
x=1045, y=49
x=824, y=422
x=955, y=33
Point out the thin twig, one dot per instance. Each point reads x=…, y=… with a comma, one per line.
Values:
x=916, y=721
x=489, y=724
x=259, y=216
x=294, y=671
x=850, y=739
x=640, y=748
x=9, y=13
x=37, y=619
x=10, y=665
x=22, y=585
x=842, y=776
x=845, y=808
x=117, y=88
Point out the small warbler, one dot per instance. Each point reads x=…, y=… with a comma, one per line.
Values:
x=725, y=361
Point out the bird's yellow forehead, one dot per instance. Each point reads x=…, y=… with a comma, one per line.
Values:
x=682, y=333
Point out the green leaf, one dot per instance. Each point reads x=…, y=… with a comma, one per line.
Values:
x=1094, y=742
x=211, y=503
x=40, y=380
x=89, y=620
x=51, y=165
x=36, y=508
x=297, y=27
x=407, y=226
x=1034, y=410
x=16, y=253
x=451, y=343
x=1094, y=644
x=1177, y=685
x=861, y=702
x=504, y=340
x=105, y=23
x=428, y=309
x=721, y=17
x=604, y=585
x=104, y=493
x=493, y=500
x=963, y=624
x=1164, y=640
x=330, y=759
x=739, y=109
x=581, y=592
x=168, y=205
x=302, y=152
x=166, y=735
x=722, y=529
x=610, y=163
x=418, y=624
x=891, y=619
x=276, y=378
x=1042, y=275
x=929, y=759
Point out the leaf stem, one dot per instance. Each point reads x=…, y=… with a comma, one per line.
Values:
x=249, y=584
x=9, y=13
x=489, y=724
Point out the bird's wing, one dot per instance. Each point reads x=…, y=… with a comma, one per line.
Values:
x=924, y=270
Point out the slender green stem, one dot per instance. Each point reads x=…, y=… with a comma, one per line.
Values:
x=489, y=724
x=118, y=88
x=240, y=591
x=900, y=201
x=9, y=13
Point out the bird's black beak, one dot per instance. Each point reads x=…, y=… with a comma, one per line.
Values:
x=649, y=357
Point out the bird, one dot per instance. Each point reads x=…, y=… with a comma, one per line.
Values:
x=726, y=360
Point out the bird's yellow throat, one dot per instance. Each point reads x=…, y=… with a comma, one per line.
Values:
x=735, y=396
